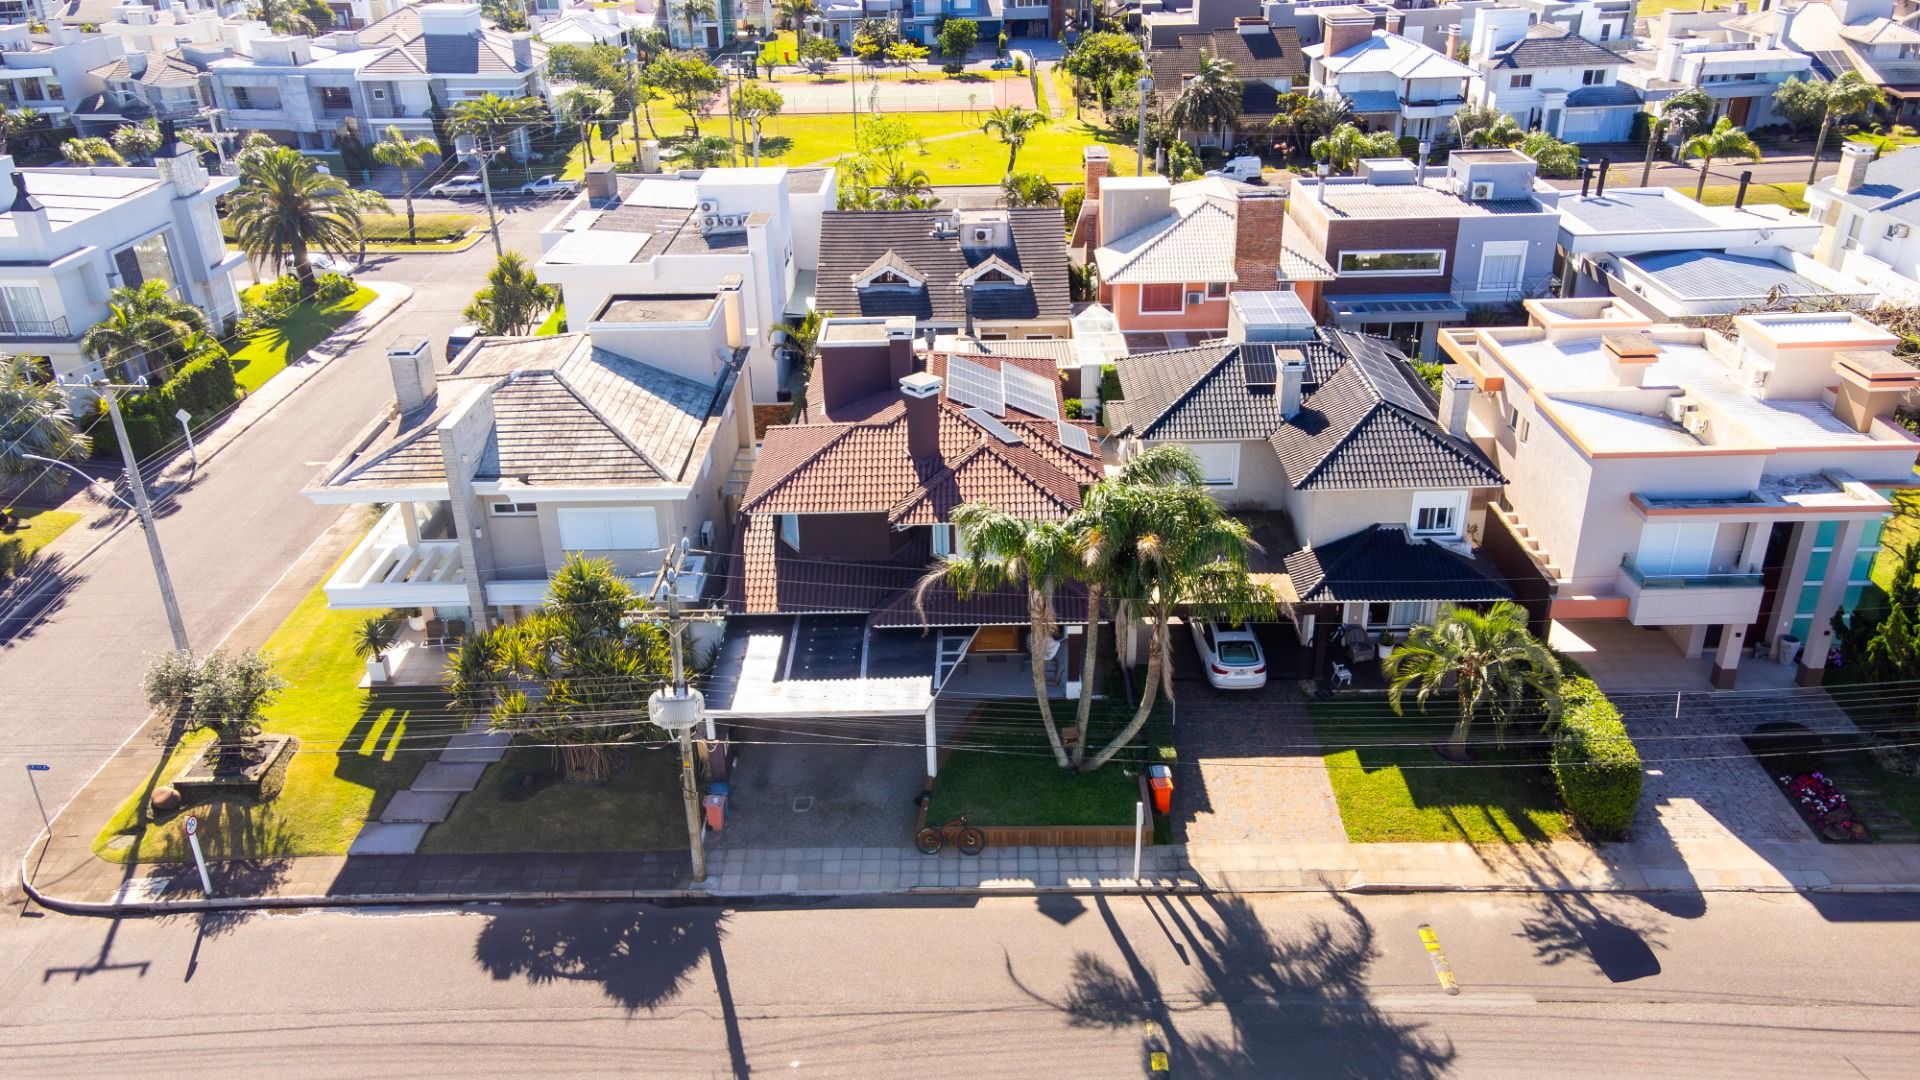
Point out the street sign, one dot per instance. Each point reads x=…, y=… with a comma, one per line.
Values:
x=39, y=768
x=193, y=824
x=199, y=860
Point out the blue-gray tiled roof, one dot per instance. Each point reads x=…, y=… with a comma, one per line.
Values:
x=1382, y=564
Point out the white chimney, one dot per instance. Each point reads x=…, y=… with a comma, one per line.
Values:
x=1629, y=356
x=522, y=50
x=1854, y=159
x=1293, y=375
x=1456, y=400
x=411, y=362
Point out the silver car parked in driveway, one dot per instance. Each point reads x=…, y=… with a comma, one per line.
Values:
x=1231, y=656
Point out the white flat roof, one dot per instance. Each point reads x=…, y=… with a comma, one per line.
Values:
x=72, y=194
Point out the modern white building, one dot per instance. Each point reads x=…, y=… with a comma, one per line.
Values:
x=692, y=232
x=1740, y=77
x=1670, y=257
x=1875, y=38
x=70, y=236
x=1394, y=84
x=1729, y=492
x=1548, y=77
x=50, y=73
x=1869, y=211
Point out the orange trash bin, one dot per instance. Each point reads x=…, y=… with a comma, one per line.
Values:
x=1160, y=782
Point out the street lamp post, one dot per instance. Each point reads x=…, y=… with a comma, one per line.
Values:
x=1145, y=86
x=111, y=392
x=679, y=710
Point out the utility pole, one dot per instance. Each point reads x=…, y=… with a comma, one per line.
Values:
x=680, y=709
x=111, y=392
x=1145, y=86
x=470, y=150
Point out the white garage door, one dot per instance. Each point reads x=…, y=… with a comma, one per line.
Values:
x=1595, y=125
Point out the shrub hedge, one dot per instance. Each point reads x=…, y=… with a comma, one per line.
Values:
x=1595, y=765
x=203, y=388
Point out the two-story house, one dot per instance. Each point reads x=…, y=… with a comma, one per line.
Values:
x=1267, y=62
x=395, y=71
x=989, y=273
x=1740, y=77
x=1398, y=252
x=1329, y=441
x=70, y=236
x=1548, y=77
x=692, y=231
x=1673, y=258
x=51, y=72
x=1869, y=212
x=1168, y=256
x=1729, y=492
x=1393, y=84
x=615, y=444
x=1874, y=38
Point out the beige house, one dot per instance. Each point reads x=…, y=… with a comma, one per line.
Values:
x=1730, y=492
x=615, y=444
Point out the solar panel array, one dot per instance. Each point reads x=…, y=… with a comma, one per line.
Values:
x=1030, y=393
x=976, y=384
x=994, y=427
x=1259, y=365
x=1074, y=438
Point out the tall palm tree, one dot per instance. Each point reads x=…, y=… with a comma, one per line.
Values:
x=1847, y=96
x=1496, y=664
x=1320, y=115
x=997, y=550
x=1097, y=529
x=144, y=324
x=492, y=119
x=1686, y=113
x=91, y=149
x=1724, y=141
x=14, y=122
x=1503, y=130
x=396, y=151
x=803, y=336
x=586, y=106
x=34, y=419
x=1347, y=145
x=696, y=11
x=1174, y=548
x=513, y=300
x=1209, y=99
x=795, y=13
x=292, y=16
x=1012, y=124
x=286, y=207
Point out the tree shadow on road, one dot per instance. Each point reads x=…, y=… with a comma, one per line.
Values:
x=1565, y=925
x=1300, y=999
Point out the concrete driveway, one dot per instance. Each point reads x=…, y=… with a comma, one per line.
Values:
x=818, y=783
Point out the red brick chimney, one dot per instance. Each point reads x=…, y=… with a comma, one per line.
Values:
x=1258, y=224
x=1097, y=163
x=1343, y=28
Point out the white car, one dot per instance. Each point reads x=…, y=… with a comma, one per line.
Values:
x=1231, y=655
x=549, y=185
x=1247, y=170
x=464, y=184
x=324, y=263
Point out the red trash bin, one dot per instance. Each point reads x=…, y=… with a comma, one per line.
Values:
x=716, y=811
x=1160, y=782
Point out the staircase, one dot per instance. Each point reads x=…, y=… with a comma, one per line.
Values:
x=740, y=472
x=1530, y=543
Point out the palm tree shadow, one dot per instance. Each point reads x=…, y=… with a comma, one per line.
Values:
x=642, y=957
x=1565, y=925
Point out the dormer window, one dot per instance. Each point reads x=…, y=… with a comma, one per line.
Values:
x=890, y=271
x=993, y=277
x=889, y=278
x=995, y=272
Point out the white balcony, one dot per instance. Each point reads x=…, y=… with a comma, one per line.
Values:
x=386, y=570
x=1724, y=596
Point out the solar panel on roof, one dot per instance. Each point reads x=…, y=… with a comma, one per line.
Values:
x=1074, y=438
x=970, y=383
x=1030, y=393
x=994, y=427
x=1261, y=371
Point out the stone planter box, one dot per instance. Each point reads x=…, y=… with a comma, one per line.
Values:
x=999, y=836
x=263, y=779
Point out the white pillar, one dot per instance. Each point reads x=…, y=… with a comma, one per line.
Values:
x=1753, y=554
x=1833, y=588
x=410, y=523
x=933, y=740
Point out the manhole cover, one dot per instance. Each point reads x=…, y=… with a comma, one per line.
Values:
x=803, y=804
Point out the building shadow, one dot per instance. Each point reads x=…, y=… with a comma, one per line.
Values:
x=1301, y=998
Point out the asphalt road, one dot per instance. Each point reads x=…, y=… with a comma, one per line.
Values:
x=72, y=676
x=1304, y=985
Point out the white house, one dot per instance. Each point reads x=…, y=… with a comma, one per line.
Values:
x=1869, y=211
x=1739, y=76
x=1875, y=38
x=69, y=236
x=50, y=73
x=1394, y=84
x=1548, y=77
x=673, y=234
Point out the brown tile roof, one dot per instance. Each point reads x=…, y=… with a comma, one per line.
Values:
x=1259, y=60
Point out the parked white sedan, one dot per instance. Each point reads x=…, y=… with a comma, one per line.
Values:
x=465, y=184
x=1231, y=655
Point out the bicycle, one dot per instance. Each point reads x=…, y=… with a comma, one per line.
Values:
x=931, y=839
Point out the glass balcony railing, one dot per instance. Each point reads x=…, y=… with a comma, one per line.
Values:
x=1728, y=578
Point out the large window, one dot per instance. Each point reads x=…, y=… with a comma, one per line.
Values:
x=1162, y=299
x=1676, y=547
x=1438, y=514
x=1431, y=261
x=336, y=97
x=1219, y=463
x=1520, y=82
x=608, y=529
x=23, y=309
x=1593, y=77
x=147, y=260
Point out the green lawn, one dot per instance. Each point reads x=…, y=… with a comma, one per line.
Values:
x=953, y=150
x=356, y=749
x=639, y=810
x=1017, y=783
x=1792, y=196
x=1902, y=528
x=1392, y=787
x=271, y=350
x=556, y=323
x=38, y=529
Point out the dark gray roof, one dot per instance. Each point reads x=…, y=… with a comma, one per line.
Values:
x=1594, y=97
x=1891, y=183
x=1716, y=275
x=851, y=241
x=1382, y=563
x=1370, y=426
x=1201, y=393
x=1547, y=45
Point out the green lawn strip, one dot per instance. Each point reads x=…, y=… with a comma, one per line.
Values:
x=451, y=247
x=1901, y=529
x=272, y=349
x=38, y=528
x=639, y=810
x=556, y=323
x=357, y=749
x=1003, y=772
x=1791, y=195
x=1392, y=787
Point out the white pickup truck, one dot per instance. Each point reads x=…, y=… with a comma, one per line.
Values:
x=1244, y=169
x=549, y=185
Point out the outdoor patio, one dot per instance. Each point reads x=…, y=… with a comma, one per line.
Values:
x=1622, y=657
x=412, y=661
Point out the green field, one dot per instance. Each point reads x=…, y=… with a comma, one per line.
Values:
x=36, y=530
x=269, y=351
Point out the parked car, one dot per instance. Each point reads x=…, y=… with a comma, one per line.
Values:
x=461, y=337
x=1231, y=654
x=322, y=263
x=464, y=184
x=549, y=185
x=1244, y=169
x=1002, y=64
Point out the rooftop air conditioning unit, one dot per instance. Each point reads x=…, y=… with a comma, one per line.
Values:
x=1482, y=192
x=1899, y=232
x=981, y=236
x=1677, y=407
x=1695, y=423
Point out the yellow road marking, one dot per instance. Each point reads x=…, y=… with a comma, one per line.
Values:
x=1441, y=969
